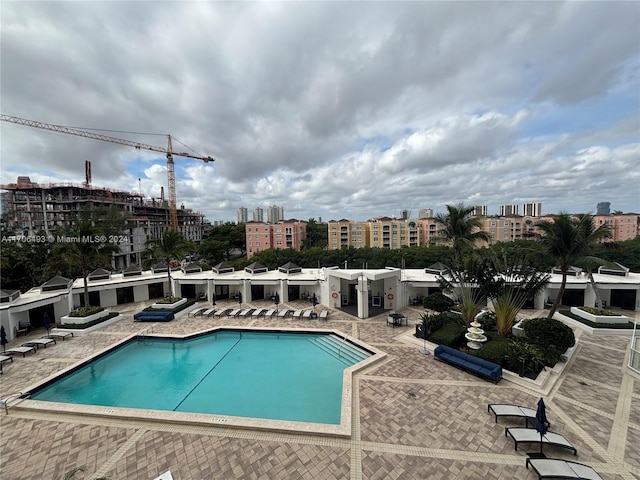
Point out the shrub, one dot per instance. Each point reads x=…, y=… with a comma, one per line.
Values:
x=169, y=300
x=81, y=326
x=519, y=352
x=451, y=335
x=489, y=321
x=598, y=311
x=438, y=302
x=85, y=311
x=545, y=332
x=495, y=350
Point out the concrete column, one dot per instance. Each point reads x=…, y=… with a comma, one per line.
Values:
x=363, y=297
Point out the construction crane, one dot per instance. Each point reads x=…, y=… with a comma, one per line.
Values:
x=171, y=175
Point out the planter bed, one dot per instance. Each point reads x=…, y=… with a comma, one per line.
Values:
x=169, y=306
x=604, y=319
x=69, y=320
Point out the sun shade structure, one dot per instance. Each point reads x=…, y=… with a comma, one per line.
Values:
x=256, y=267
x=7, y=296
x=99, y=274
x=57, y=283
x=131, y=271
x=437, y=269
x=290, y=268
x=223, y=267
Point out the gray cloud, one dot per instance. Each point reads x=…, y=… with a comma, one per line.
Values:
x=330, y=109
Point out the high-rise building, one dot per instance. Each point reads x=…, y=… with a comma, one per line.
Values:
x=258, y=215
x=506, y=210
x=479, y=211
x=425, y=213
x=275, y=214
x=243, y=215
x=532, y=209
x=603, y=208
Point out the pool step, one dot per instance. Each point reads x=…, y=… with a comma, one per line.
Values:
x=340, y=349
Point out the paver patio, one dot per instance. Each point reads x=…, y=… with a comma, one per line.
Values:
x=414, y=417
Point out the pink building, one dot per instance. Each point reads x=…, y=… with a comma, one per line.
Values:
x=261, y=236
x=624, y=226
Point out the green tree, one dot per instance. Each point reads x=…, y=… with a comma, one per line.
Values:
x=171, y=246
x=468, y=281
x=85, y=249
x=317, y=235
x=568, y=240
x=460, y=229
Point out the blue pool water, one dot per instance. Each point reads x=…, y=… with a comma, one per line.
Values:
x=282, y=376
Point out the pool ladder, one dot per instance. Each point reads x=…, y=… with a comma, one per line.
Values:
x=5, y=402
x=344, y=339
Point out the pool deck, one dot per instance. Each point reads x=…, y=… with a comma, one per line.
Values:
x=414, y=417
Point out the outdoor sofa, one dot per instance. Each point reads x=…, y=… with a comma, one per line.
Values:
x=151, y=316
x=470, y=363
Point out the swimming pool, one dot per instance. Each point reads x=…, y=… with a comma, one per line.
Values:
x=293, y=376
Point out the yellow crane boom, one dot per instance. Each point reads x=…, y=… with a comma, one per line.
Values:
x=171, y=176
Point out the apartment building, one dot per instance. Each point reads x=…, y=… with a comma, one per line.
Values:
x=32, y=208
x=506, y=210
x=382, y=232
x=261, y=236
x=347, y=233
x=624, y=226
x=275, y=214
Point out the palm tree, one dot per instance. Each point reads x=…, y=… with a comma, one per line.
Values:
x=85, y=250
x=591, y=262
x=460, y=228
x=171, y=246
x=569, y=240
x=468, y=280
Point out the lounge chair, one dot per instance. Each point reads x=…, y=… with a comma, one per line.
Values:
x=284, y=313
x=246, y=312
x=39, y=342
x=557, y=468
x=23, y=350
x=197, y=311
x=268, y=313
x=307, y=314
x=323, y=315
x=61, y=335
x=297, y=314
x=5, y=359
x=222, y=311
x=531, y=435
x=234, y=313
x=258, y=312
x=510, y=410
x=207, y=312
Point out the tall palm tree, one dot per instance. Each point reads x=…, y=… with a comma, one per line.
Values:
x=460, y=228
x=171, y=246
x=85, y=249
x=569, y=240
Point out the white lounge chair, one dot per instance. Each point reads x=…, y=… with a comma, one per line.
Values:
x=39, y=342
x=207, y=312
x=557, y=468
x=258, y=312
x=5, y=359
x=197, y=311
x=297, y=314
x=23, y=350
x=510, y=410
x=61, y=335
x=269, y=313
x=234, y=313
x=307, y=314
x=246, y=312
x=531, y=435
x=323, y=315
x=283, y=313
x=222, y=311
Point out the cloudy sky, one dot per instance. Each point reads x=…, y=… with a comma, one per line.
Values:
x=331, y=109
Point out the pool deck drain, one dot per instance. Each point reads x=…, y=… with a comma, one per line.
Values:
x=414, y=418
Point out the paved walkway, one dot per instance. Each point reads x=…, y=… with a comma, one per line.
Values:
x=414, y=417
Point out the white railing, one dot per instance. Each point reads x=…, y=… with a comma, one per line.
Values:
x=634, y=357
